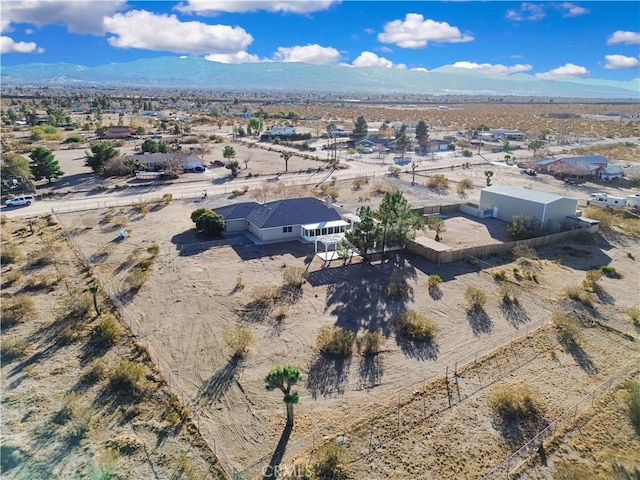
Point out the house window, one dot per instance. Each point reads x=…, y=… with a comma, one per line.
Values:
x=287, y=229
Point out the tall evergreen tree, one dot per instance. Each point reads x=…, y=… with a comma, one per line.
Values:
x=366, y=232
x=360, y=128
x=101, y=153
x=44, y=164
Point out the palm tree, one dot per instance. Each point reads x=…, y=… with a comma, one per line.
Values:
x=286, y=155
x=283, y=378
x=94, y=288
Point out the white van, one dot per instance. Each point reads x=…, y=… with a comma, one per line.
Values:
x=20, y=200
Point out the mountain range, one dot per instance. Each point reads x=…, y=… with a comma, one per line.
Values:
x=197, y=73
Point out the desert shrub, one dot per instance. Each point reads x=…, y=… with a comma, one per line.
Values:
x=78, y=304
x=106, y=332
x=42, y=259
x=166, y=198
x=16, y=310
x=467, y=153
x=380, y=188
x=333, y=340
x=523, y=227
x=178, y=409
x=294, y=276
x=567, y=471
x=89, y=222
x=603, y=216
x=331, y=463
x=108, y=217
x=12, y=348
x=95, y=371
x=475, y=298
x=65, y=414
x=438, y=182
x=634, y=314
x=514, y=403
x=371, y=343
x=610, y=272
x=208, y=221
x=464, y=185
x=578, y=294
x=127, y=377
x=434, y=281
x=239, y=339
x=567, y=328
x=41, y=281
x=120, y=221
x=11, y=278
x=141, y=208
x=508, y=294
x=9, y=254
x=359, y=182
x=327, y=190
x=265, y=294
x=500, y=275
x=281, y=313
x=154, y=250
x=524, y=251
x=239, y=284
x=136, y=278
x=632, y=403
x=416, y=326
x=591, y=279
x=394, y=171
x=78, y=429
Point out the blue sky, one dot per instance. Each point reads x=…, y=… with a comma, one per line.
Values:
x=553, y=40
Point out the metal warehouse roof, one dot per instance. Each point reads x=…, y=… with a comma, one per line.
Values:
x=524, y=193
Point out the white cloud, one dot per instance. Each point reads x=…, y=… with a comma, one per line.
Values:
x=141, y=29
x=569, y=70
x=620, y=36
x=314, y=54
x=496, y=69
x=238, y=57
x=79, y=16
x=370, y=59
x=419, y=69
x=7, y=45
x=528, y=11
x=616, y=62
x=571, y=10
x=416, y=32
x=213, y=7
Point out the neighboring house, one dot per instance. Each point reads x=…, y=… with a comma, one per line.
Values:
x=505, y=201
x=375, y=144
x=118, y=132
x=611, y=172
x=579, y=166
x=286, y=130
x=505, y=134
x=433, y=146
x=305, y=219
x=172, y=161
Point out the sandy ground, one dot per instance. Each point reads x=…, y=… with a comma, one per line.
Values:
x=191, y=298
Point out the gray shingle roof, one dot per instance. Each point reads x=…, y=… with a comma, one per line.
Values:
x=292, y=211
x=236, y=211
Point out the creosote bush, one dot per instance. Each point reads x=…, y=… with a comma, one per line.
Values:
x=434, y=281
x=106, y=332
x=127, y=377
x=632, y=401
x=95, y=371
x=239, y=340
x=464, y=185
x=12, y=348
x=567, y=328
x=371, y=343
x=591, y=279
x=508, y=294
x=333, y=340
x=578, y=294
x=416, y=326
x=294, y=276
x=634, y=314
x=331, y=463
x=438, y=182
x=17, y=309
x=514, y=403
x=475, y=298
x=9, y=254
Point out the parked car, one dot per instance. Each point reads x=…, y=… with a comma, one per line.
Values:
x=216, y=163
x=20, y=201
x=529, y=171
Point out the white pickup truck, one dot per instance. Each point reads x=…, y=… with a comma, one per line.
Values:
x=20, y=201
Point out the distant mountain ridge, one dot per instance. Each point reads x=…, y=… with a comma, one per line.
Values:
x=197, y=73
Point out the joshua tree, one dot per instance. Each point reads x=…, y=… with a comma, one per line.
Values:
x=535, y=145
x=94, y=288
x=488, y=174
x=282, y=378
x=286, y=155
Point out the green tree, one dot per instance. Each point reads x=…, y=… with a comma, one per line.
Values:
x=360, y=127
x=149, y=146
x=364, y=236
x=286, y=155
x=422, y=133
x=234, y=166
x=140, y=130
x=163, y=147
x=101, y=153
x=282, y=378
x=15, y=166
x=437, y=224
x=535, y=145
x=208, y=221
x=523, y=227
x=44, y=164
x=488, y=174
x=397, y=222
x=229, y=152
x=403, y=144
x=254, y=126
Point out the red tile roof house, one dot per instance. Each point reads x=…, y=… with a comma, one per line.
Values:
x=580, y=166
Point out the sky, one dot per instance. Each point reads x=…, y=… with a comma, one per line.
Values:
x=550, y=40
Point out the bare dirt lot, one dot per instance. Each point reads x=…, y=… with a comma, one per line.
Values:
x=190, y=299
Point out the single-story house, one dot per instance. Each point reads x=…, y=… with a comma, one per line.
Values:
x=375, y=144
x=432, y=146
x=286, y=130
x=305, y=219
x=580, y=166
x=611, y=172
x=506, y=134
x=170, y=161
x=118, y=131
x=505, y=201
